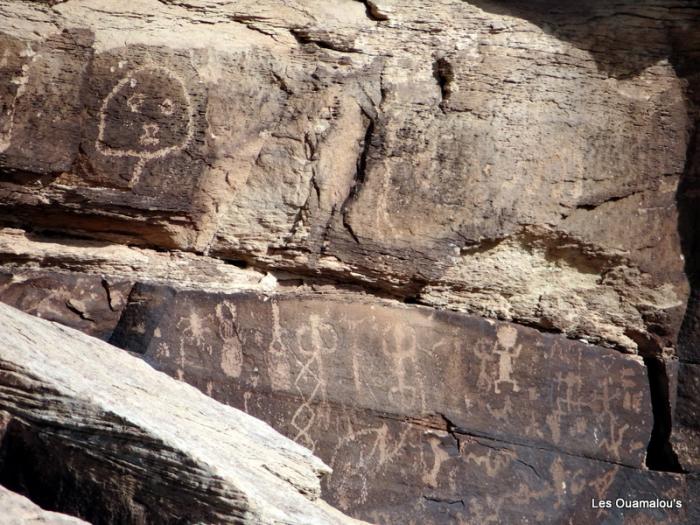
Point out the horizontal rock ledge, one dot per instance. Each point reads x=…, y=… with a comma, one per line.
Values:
x=501, y=380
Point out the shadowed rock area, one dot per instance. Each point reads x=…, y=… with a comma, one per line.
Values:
x=18, y=509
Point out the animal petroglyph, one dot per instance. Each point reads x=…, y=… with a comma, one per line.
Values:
x=359, y=456
x=490, y=462
x=439, y=457
x=148, y=115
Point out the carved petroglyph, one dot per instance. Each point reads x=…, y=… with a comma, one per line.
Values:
x=602, y=485
x=312, y=342
x=277, y=357
x=148, y=115
x=400, y=342
x=231, y=351
x=439, y=457
x=359, y=457
x=8, y=100
x=507, y=351
x=565, y=481
x=491, y=462
x=483, y=353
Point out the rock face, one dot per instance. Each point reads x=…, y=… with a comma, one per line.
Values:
x=386, y=393
x=98, y=433
x=499, y=177
x=18, y=509
x=451, y=246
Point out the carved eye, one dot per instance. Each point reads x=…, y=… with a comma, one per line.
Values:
x=167, y=107
x=135, y=102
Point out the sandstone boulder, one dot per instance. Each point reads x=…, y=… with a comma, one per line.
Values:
x=18, y=509
x=96, y=432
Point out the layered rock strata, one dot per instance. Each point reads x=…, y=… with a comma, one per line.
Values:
x=96, y=432
x=519, y=163
x=282, y=202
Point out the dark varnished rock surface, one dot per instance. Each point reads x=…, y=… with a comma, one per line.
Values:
x=442, y=414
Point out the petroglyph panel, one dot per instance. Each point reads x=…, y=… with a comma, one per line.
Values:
x=492, y=379
x=424, y=417
x=390, y=471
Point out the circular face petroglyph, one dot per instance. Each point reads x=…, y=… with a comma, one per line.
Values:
x=147, y=115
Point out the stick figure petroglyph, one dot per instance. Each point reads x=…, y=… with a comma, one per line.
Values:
x=313, y=342
x=277, y=357
x=148, y=115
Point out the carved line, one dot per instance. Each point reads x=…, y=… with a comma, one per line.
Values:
x=143, y=156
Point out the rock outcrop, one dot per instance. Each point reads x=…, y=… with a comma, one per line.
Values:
x=499, y=177
x=96, y=432
x=18, y=509
x=451, y=246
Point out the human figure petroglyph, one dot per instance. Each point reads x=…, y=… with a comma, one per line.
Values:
x=277, y=358
x=482, y=352
x=312, y=342
x=400, y=343
x=148, y=115
x=195, y=328
x=507, y=352
x=231, y=351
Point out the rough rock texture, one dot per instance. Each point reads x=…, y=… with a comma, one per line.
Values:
x=314, y=202
x=404, y=402
x=514, y=162
x=98, y=433
x=18, y=509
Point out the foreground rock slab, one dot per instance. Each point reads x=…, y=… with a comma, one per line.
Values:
x=96, y=432
x=18, y=509
x=425, y=417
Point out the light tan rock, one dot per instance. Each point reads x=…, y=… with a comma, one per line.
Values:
x=138, y=445
x=18, y=509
